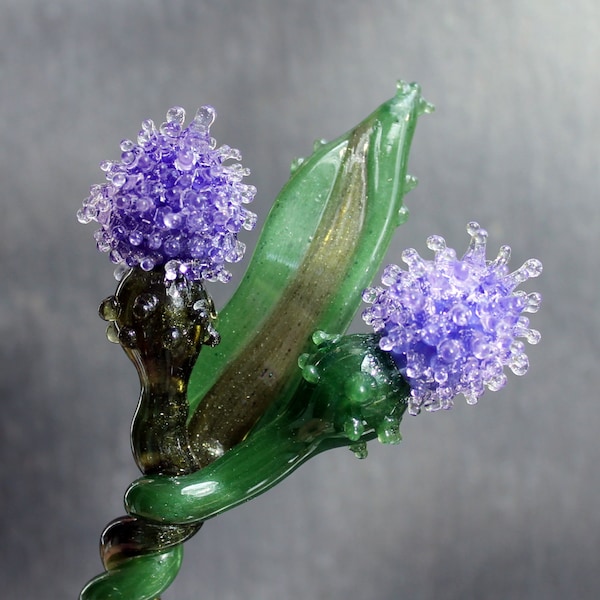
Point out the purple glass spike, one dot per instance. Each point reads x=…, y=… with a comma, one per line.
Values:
x=172, y=200
x=451, y=324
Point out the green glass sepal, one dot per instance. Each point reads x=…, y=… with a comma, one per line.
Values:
x=162, y=324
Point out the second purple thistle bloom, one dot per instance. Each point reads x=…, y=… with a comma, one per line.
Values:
x=172, y=200
x=451, y=324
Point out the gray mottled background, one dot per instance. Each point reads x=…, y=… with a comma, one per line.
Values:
x=497, y=501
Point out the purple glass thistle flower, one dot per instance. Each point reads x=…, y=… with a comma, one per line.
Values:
x=453, y=325
x=171, y=200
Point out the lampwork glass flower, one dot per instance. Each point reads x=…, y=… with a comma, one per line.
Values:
x=451, y=324
x=172, y=200
x=216, y=429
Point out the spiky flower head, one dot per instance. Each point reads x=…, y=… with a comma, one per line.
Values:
x=451, y=324
x=172, y=200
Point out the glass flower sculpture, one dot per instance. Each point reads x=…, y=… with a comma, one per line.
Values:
x=281, y=381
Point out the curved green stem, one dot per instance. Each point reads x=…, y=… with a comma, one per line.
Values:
x=352, y=392
x=162, y=325
x=139, y=578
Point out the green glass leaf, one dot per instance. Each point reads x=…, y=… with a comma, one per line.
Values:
x=322, y=242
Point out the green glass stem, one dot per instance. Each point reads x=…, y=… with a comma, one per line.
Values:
x=351, y=392
x=139, y=578
x=127, y=537
x=322, y=243
x=161, y=324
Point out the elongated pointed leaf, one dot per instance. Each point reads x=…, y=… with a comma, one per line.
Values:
x=322, y=242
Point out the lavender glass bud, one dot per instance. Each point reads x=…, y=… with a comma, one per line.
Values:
x=172, y=200
x=451, y=324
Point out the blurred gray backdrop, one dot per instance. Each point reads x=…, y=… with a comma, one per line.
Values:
x=496, y=501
